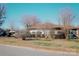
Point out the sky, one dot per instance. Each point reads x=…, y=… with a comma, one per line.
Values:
x=45, y=12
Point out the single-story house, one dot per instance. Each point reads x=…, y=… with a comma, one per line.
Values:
x=41, y=29
x=56, y=31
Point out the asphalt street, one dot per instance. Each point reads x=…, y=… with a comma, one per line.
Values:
x=7, y=50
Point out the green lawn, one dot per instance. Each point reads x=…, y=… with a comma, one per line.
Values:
x=55, y=44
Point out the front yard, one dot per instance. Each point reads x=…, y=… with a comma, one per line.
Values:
x=55, y=44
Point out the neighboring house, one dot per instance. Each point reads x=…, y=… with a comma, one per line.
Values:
x=6, y=32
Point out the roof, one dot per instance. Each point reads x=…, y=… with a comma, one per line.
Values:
x=43, y=26
x=52, y=26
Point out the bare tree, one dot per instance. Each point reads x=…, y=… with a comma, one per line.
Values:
x=66, y=17
x=29, y=21
x=2, y=14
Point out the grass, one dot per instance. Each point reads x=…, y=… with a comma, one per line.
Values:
x=55, y=44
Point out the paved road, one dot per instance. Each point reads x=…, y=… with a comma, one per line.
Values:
x=6, y=50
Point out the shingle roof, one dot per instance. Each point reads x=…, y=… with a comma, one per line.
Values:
x=43, y=26
x=52, y=26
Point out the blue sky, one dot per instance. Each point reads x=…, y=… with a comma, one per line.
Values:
x=46, y=12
